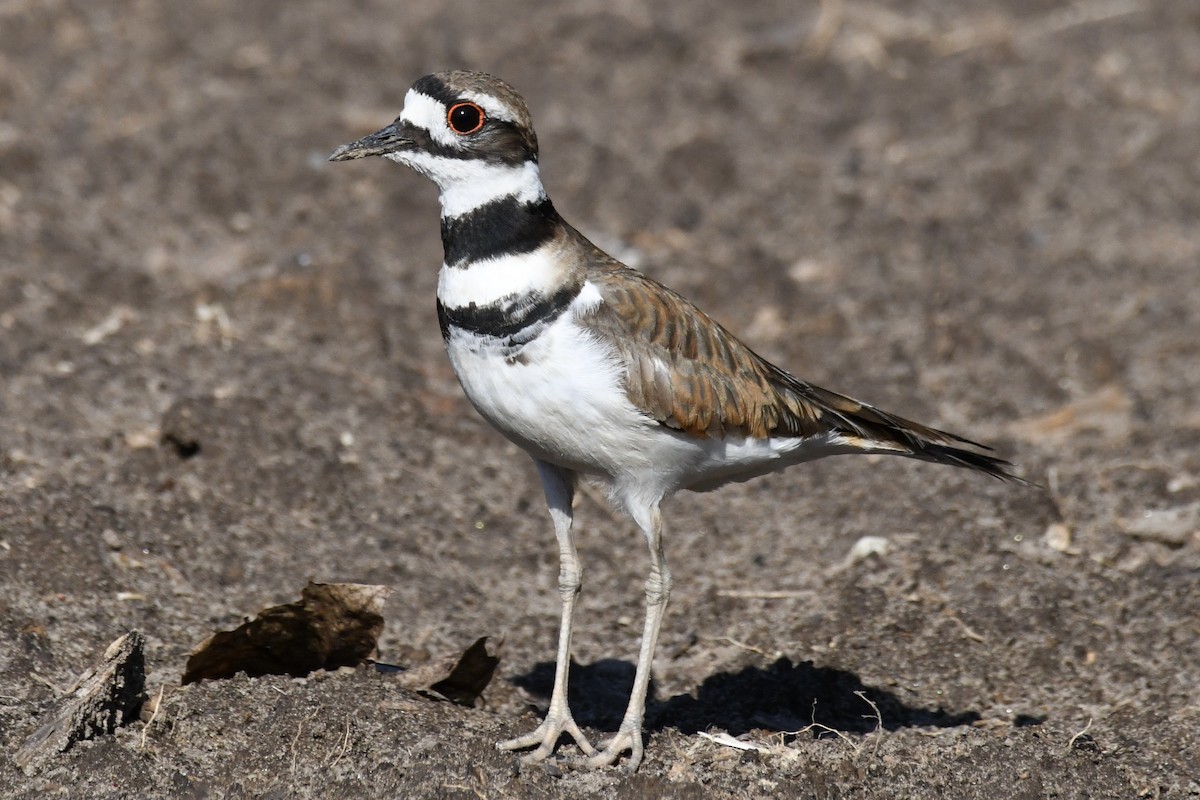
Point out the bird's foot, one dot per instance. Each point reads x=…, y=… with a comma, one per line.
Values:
x=628, y=737
x=546, y=737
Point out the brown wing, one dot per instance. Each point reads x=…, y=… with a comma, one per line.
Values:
x=689, y=373
x=684, y=369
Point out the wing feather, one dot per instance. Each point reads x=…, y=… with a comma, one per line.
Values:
x=684, y=370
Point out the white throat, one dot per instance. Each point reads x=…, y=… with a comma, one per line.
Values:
x=466, y=184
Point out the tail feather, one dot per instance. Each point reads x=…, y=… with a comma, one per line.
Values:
x=959, y=457
x=878, y=431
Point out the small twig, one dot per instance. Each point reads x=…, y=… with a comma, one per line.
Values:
x=477, y=790
x=967, y=630
x=345, y=746
x=764, y=594
x=158, y=704
x=781, y=748
x=480, y=787
x=738, y=644
x=54, y=687
x=819, y=726
x=860, y=694
x=1075, y=738
x=728, y=741
x=296, y=739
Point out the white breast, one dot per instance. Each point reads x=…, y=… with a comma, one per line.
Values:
x=561, y=397
x=491, y=279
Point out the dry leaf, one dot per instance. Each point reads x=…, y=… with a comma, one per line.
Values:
x=333, y=625
x=460, y=679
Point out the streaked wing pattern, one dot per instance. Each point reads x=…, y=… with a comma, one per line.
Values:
x=689, y=373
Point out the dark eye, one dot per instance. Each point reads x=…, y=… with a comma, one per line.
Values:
x=465, y=118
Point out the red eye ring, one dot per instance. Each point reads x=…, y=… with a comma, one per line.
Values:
x=465, y=118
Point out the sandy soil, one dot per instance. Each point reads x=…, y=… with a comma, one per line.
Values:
x=982, y=215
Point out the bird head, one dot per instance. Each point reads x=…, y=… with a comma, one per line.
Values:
x=456, y=126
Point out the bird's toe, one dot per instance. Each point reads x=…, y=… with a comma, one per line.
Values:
x=545, y=738
x=626, y=739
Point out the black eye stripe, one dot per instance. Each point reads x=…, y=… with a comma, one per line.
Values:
x=465, y=118
x=507, y=155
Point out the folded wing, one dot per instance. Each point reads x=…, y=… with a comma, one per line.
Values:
x=688, y=373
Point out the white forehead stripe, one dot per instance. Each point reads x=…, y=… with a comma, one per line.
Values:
x=490, y=105
x=424, y=112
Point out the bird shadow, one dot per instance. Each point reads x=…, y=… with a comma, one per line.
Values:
x=781, y=697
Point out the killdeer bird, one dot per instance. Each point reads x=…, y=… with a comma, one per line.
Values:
x=596, y=370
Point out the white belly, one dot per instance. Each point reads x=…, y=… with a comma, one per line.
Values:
x=561, y=398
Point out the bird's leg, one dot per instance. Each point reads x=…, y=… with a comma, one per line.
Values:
x=658, y=590
x=559, y=486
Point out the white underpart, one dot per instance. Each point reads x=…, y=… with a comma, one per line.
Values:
x=484, y=282
x=490, y=182
x=467, y=184
x=564, y=401
x=739, y=458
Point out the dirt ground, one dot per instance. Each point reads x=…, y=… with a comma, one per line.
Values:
x=221, y=377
